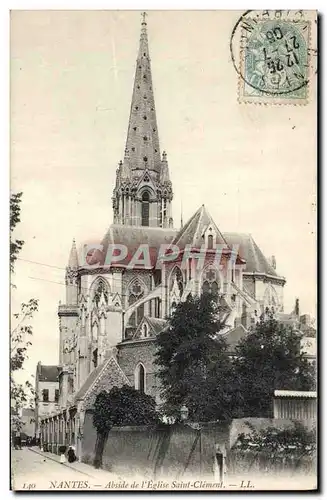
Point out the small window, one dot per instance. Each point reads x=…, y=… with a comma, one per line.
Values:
x=45, y=395
x=95, y=358
x=138, y=86
x=145, y=138
x=136, y=107
x=56, y=395
x=210, y=242
x=133, y=149
x=145, y=209
x=145, y=97
x=145, y=158
x=140, y=378
x=145, y=330
x=145, y=117
x=134, y=128
x=156, y=151
x=144, y=53
x=144, y=77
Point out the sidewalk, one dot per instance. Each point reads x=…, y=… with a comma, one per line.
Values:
x=80, y=467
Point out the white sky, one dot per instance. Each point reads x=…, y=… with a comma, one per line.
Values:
x=72, y=74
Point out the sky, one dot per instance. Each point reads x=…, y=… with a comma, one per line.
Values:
x=253, y=166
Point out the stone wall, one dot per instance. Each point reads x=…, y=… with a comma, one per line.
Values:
x=130, y=354
x=180, y=451
x=175, y=451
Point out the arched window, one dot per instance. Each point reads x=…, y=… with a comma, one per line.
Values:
x=140, y=378
x=99, y=287
x=145, y=208
x=210, y=281
x=136, y=292
x=176, y=281
x=210, y=242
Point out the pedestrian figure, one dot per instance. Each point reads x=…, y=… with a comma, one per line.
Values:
x=71, y=454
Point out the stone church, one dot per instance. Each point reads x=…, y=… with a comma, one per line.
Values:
x=112, y=315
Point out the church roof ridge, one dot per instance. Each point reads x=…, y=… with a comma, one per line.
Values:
x=191, y=232
x=251, y=253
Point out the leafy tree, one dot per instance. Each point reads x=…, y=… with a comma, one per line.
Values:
x=21, y=333
x=121, y=406
x=15, y=245
x=194, y=366
x=270, y=358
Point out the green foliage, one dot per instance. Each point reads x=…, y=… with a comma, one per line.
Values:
x=196, y=369
x=270, y=358
x=123, y=406
x=21, y=333
x=295, y=439
x=194, y=366
x=15, y=245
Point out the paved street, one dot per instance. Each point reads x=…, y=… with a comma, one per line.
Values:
x=33, y=471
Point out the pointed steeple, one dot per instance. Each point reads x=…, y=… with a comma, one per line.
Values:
x=143, y=192
x=164, y=178
x=142, y=138
x=73, y=257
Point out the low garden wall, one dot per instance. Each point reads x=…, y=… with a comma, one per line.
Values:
x=182, y=451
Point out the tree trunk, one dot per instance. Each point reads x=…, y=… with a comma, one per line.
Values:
x=99, y=447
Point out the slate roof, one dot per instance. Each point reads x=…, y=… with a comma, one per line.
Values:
x=233, y=336
x=103, y=377
x=48, y=373
x=157, y=324
x=132, y=237
x=89, y=381
x=192, y=232
x=251, y=253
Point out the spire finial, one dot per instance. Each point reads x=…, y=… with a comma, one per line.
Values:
x=73, y=256
x=144, y=14
x=182, y=214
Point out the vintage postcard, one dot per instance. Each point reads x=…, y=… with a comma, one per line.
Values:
x=163, y=194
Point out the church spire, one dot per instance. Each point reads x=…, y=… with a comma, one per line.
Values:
x=142, y=138
x=143, y=192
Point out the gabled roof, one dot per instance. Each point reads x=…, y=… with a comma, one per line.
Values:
x=48, y=373
x=192, y=232
x=89, y=381
x=156, y=325
x=103, y=377
x=256, y=262
x=234, y=336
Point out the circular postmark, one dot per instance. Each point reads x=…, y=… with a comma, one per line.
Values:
x=270, y=52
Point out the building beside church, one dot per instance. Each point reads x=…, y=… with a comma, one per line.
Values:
x=46, y=393
x=112, y=314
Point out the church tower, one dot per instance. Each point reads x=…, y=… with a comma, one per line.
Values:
x=143, y=192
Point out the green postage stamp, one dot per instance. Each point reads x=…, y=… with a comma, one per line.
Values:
x=274, y=58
